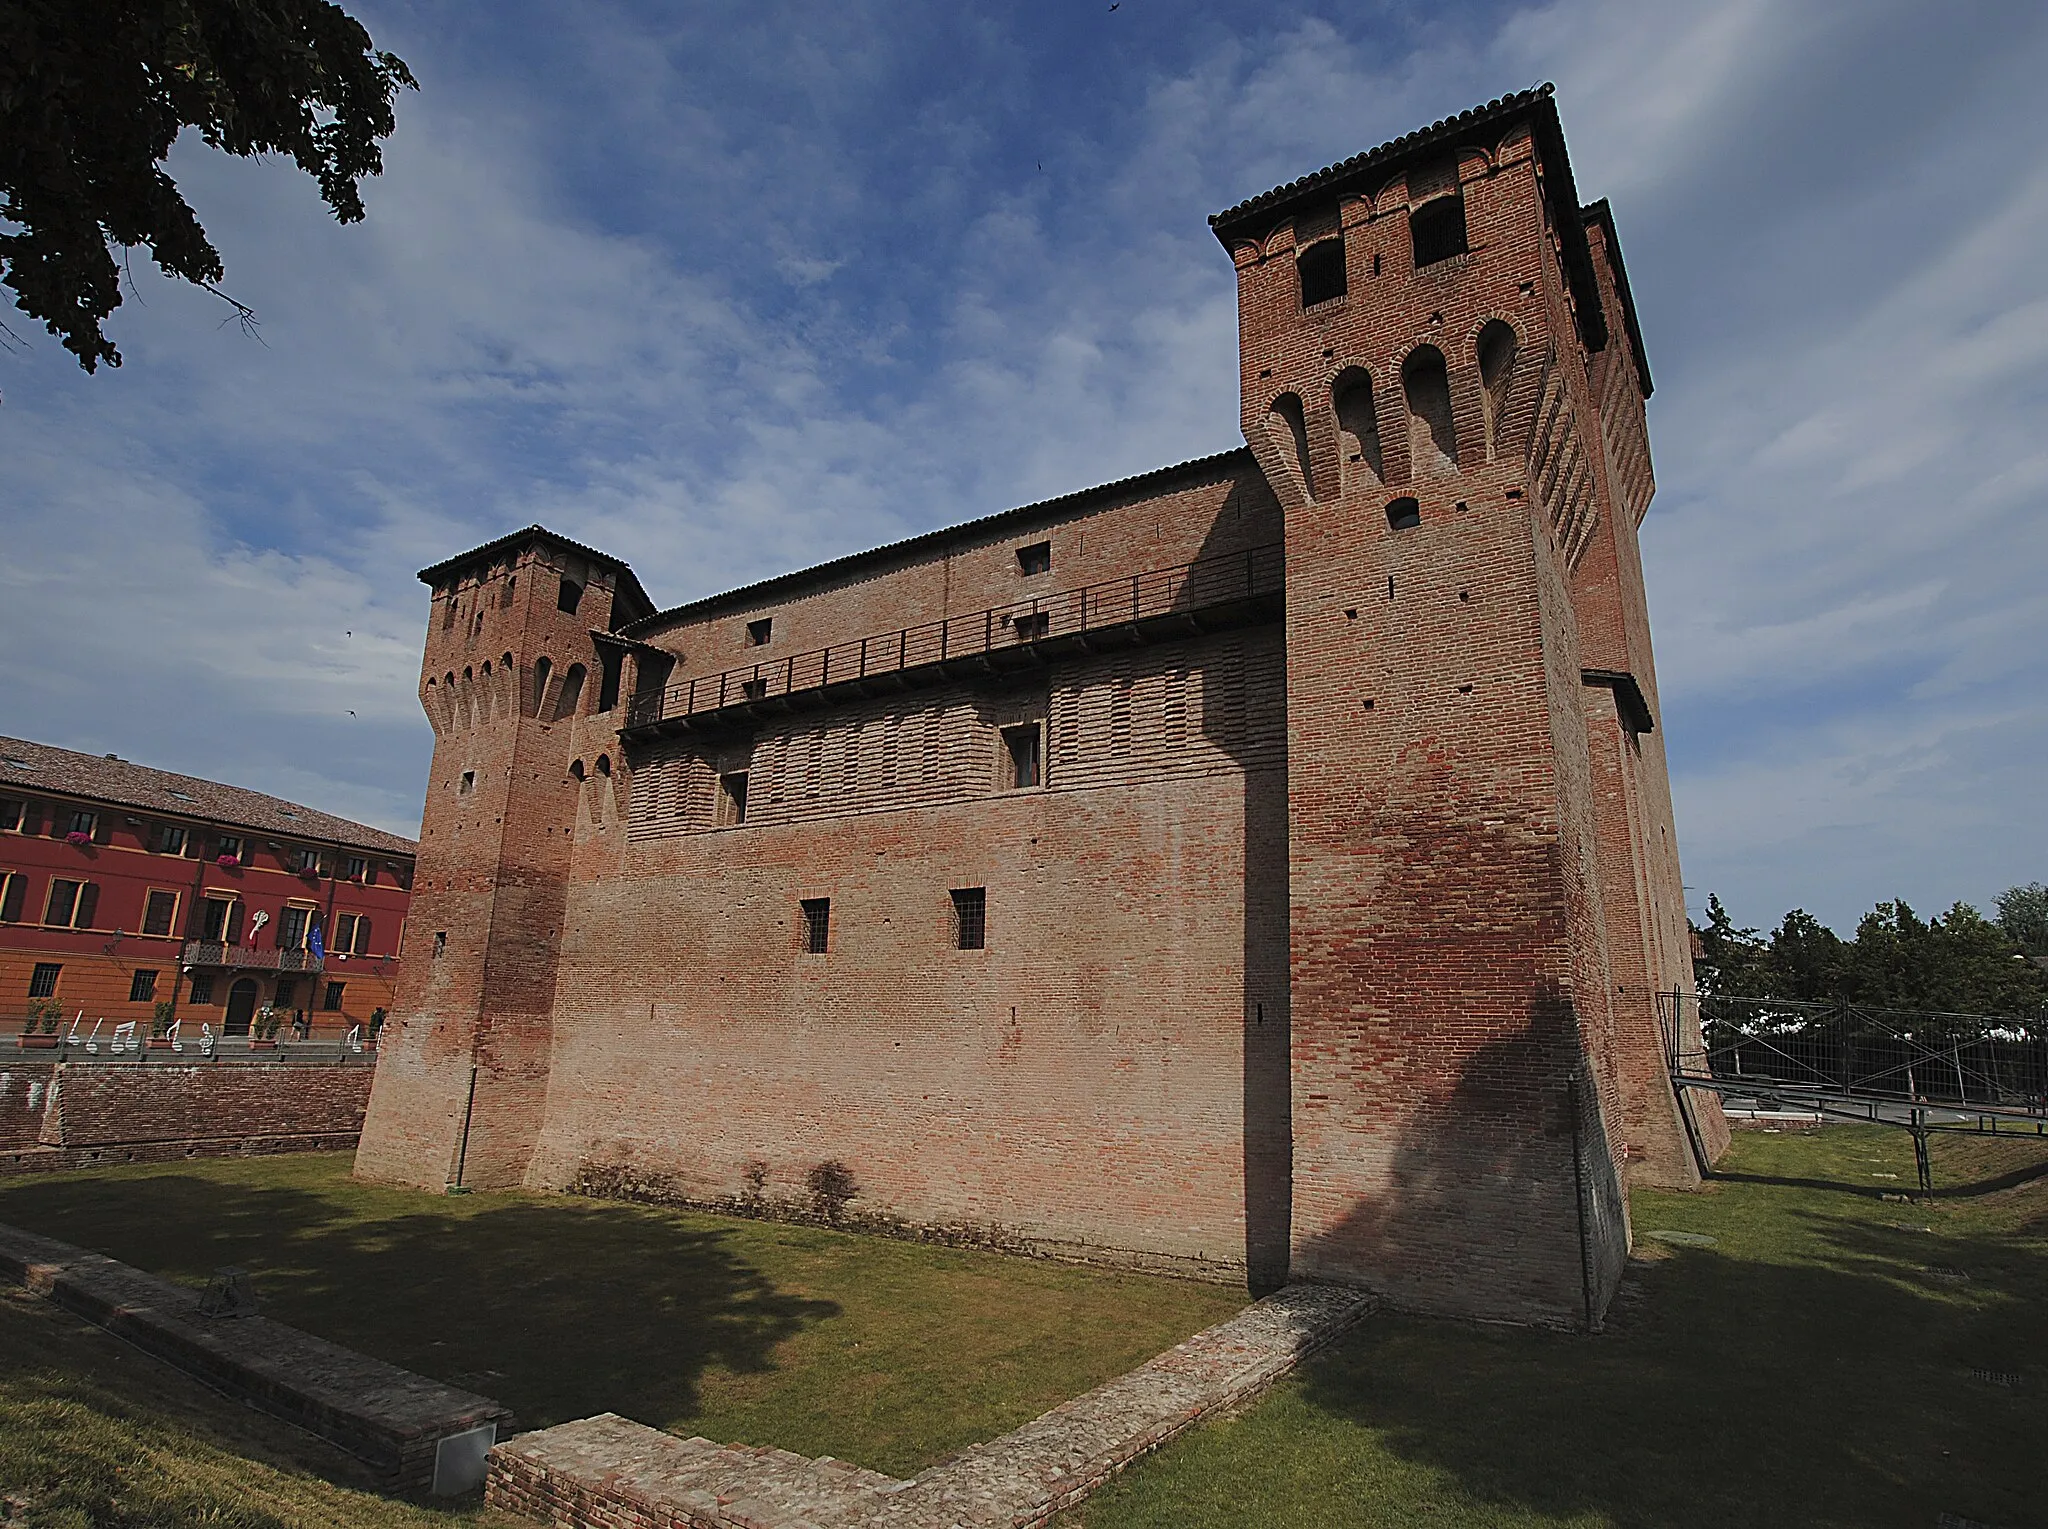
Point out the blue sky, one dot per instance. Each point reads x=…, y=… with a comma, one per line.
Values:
x=735, y=290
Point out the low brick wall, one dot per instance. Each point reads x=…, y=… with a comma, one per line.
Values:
x=607, y=1472
x=391, y=1419
x=56, y=1115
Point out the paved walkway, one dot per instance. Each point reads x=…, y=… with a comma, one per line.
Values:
x=609, y=1471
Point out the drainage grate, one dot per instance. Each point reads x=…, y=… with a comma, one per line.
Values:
x=2007, y=1378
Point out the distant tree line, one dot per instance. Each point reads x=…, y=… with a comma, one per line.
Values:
x=1957, y=962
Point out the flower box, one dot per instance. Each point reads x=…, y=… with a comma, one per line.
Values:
x=229, y=862
x=77, y=840
x=39, y=1043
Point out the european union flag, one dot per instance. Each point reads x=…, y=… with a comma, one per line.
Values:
x=318, y=945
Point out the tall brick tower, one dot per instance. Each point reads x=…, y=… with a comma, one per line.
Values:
x=1424, y=335
x=512, y=669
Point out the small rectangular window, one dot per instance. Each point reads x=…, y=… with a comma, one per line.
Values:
x=1023, y=756
x=754, y=689
x=817, y=924
x=306, y=862
x=440, y=943
x=732, y=798
x=287, y=992
x=1320, y=268
x=167, y=838
x=468, y=783
x=141, y=986
x=1029, y=626
x=1036, y=558
x=230, y=848
x=758, y=632
x=356, y=868
x=970, y=917
x=331, y=1000
x=202, y=989
x=159, y=913
x=1438, y=229
x=82, y=822
x=42, y=982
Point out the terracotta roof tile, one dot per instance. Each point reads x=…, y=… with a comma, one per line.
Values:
x=37, y=767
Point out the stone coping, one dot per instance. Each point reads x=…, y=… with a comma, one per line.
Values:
x=611, y=1472
x=390, y=1418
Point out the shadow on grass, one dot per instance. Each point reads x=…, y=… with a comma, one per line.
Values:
x=1852, y=1372
x=1975, y=1189
x=559, y=1309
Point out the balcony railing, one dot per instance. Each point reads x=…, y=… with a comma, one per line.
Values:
x=248, y=957
x=1067, y=618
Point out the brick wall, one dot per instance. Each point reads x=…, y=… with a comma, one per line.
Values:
x=64, y=1114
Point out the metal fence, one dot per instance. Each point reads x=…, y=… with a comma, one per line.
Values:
x=1963, y=1062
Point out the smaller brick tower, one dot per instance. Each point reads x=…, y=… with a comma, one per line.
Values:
x=511, y=664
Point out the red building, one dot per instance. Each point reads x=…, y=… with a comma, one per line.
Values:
x=132, y=894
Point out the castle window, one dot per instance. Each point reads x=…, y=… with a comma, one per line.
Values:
x=1432, y=435
x=732, y=799
x=159, y=913
x=202, y=990
x=141, y=986
x=572, y=692
x=542, y=668
x=42, y=982
x=576, y=769
x=1358, y=430
x=758, y=632
x=569, y=597
x=468, y=783
x=331, y=999
x=970, y=918
x=448, y=612
x=1320, y=267
x=754, y=689
x=505, y=597
x=1036, y=558
x=1023, y=756
x=604, y=765
x=1496, y=375
x=817, y=924
x=611, y=661
x=1288, y=427
x=1436, y=213
x=440, y=943
x=1403, y=514
x=1029, y=626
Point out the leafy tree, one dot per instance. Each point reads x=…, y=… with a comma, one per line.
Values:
x=1959, y=962
x=2023, y=915
x=1805, y=959
x=1730, y=962
x=93, y=93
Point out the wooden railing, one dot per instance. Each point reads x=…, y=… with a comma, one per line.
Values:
x=1112, y=603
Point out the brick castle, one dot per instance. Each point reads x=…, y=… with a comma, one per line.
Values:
x=1260, y=868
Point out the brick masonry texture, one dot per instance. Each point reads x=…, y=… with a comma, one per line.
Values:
x=607, y=1470
x=1327, y=943
x=60, y=1115
x=390, y=1418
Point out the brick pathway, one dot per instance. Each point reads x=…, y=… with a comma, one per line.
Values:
x=609, y=1471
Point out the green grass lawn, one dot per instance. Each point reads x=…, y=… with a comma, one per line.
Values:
x=1814, y=1366
x=890, y=1354
x=94, y=1435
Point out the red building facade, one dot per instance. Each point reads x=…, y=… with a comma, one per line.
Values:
x=129, y=894
x=1260, y=868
